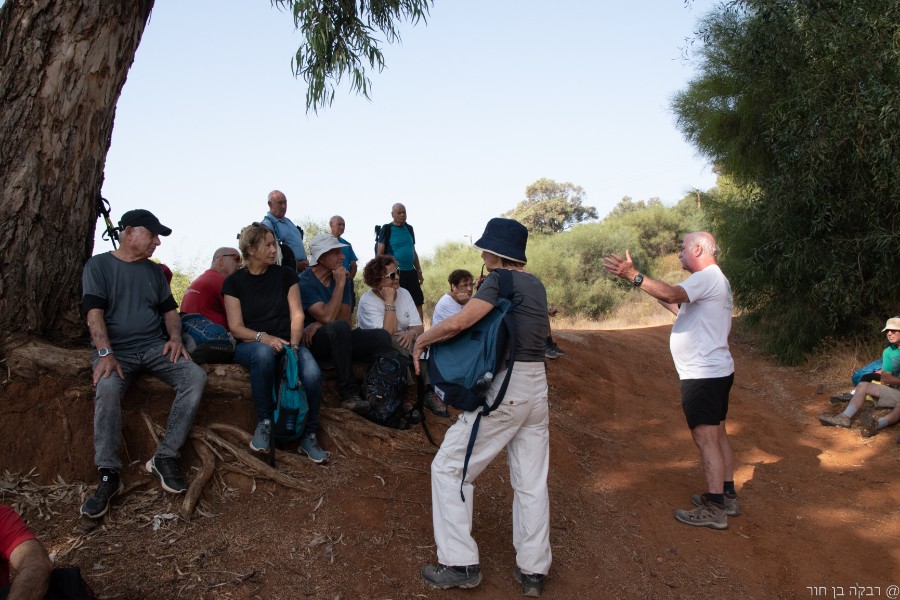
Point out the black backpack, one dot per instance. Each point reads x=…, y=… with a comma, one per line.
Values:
x=385, y=389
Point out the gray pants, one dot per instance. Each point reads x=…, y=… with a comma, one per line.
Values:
x=185, y=376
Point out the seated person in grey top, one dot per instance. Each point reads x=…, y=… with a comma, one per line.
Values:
x=125, y=296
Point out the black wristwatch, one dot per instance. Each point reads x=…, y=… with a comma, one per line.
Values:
x=638, y=280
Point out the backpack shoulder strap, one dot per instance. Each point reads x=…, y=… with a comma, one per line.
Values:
x=274, y=227
x=412, y=233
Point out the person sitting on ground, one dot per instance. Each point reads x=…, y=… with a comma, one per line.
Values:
x=389, y=307
x=887, y=393
x=326, y=300
x=450, y=303
x=125, y=297
x=203, y=319
x=265, y=314
x=21, y=552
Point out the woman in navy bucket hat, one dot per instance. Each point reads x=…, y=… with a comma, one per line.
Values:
x=520, y=424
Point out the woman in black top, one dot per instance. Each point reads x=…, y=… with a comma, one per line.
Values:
x=262, y=302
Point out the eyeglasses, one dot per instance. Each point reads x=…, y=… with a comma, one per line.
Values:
x=392, y=275
x=237, y=257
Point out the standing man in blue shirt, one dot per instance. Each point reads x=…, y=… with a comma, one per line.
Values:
x=284, y=229
x=337, y=225
x=398, y=240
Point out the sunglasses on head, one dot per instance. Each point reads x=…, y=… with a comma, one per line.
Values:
x=237, y=257
x=392, y=275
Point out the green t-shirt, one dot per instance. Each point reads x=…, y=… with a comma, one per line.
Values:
x=890, y=360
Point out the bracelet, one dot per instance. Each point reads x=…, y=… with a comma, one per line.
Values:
x=390, y=307
x=259, y=335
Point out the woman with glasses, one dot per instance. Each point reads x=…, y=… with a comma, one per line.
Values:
x=265, y=314
x=388, y=306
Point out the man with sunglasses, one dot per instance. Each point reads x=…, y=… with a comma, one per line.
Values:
x=204, y=295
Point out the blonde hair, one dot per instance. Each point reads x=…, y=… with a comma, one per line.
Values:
x=252, y=236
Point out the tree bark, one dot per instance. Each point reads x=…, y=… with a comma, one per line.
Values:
x=62, y=68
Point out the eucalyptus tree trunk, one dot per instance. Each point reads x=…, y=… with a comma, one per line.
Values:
x=62, y=68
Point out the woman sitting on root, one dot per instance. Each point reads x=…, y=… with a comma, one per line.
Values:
x=262, y=302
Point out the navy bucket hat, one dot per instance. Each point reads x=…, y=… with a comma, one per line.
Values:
x=506, y=238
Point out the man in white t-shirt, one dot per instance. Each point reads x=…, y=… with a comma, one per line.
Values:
x=702, y=306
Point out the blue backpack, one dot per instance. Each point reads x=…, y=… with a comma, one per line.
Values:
x=291, y=406
x=464, y=366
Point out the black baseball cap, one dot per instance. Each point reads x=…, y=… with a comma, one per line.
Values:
x=143, y=218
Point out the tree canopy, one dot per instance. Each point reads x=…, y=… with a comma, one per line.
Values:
x=551, y=207
x=796, y=103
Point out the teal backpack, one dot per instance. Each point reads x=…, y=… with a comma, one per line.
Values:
x=291, y=406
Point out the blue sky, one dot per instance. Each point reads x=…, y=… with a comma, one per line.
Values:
x=485, y=99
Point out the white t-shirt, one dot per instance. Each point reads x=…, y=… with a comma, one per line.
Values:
x=699, y=341
x=445, y=308
x=370, y=312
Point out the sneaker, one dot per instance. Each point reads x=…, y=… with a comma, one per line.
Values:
x=168, y=473
x=705, y=515
x=262, y=437
x=732, y=506
x=98, y=504
x=838, y=420
x=531, y=584
x=559, y=351
x=436, y=405
x=550, y=353
x=443, y=577
x=360, y=407
x=309, y=445
x=842, y=398
x=869, y=424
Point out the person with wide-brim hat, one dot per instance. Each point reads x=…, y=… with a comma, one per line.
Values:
x=520, y=424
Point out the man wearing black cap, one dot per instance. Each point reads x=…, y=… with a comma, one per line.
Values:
x=125, y=297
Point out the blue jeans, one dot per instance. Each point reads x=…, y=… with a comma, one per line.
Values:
x=262, y=362
x=185, y=376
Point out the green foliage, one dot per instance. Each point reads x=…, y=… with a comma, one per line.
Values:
x=447, y=258
x=797, y=104
x=551, y=207
x=339, y=41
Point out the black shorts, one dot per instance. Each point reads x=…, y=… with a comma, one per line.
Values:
x=409, y=281
x=705, y=401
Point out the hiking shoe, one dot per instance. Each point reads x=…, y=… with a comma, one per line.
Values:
x=443, y=577
x=732, y=506
x=436, y=405
x=98, y=504
x=531, y=584
x=869, y=424
x=705, y=515
x=168, y=473
x=262, y=437
x=309, y=445
x=414, y=417
x=559, y=351
x=838, y=420
x=550, y=353
x=842, y=398
x=360, y=407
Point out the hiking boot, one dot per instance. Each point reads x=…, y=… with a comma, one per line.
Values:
x=559, y=351
x=531, y=584
x=838, y=420
x=414, y=417
x=357, y=405
x=309, y=445
x=732, y=506
x=842, y=398
x=705, y=515
x=262, y=437
x=869, y=424
x=167, y=472
x=98, y=504
x=436, y=405
x=443, y=577
x=550, y=353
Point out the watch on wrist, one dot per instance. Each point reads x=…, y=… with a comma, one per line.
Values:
x=104, y=352
x=638, y=280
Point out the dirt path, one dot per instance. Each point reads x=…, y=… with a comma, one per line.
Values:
x=820, y=505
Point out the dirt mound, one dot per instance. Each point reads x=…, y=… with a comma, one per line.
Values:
x=820, y=505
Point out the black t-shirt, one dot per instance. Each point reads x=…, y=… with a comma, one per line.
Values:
x=530, y=314
x=264, y=303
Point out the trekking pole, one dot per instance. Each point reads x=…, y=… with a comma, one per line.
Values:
x=110, y=233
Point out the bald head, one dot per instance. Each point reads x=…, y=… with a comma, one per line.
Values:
x=337, y=225
x=277, y=204
x=226, y=260
x=398, y=212
x=698, y=251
